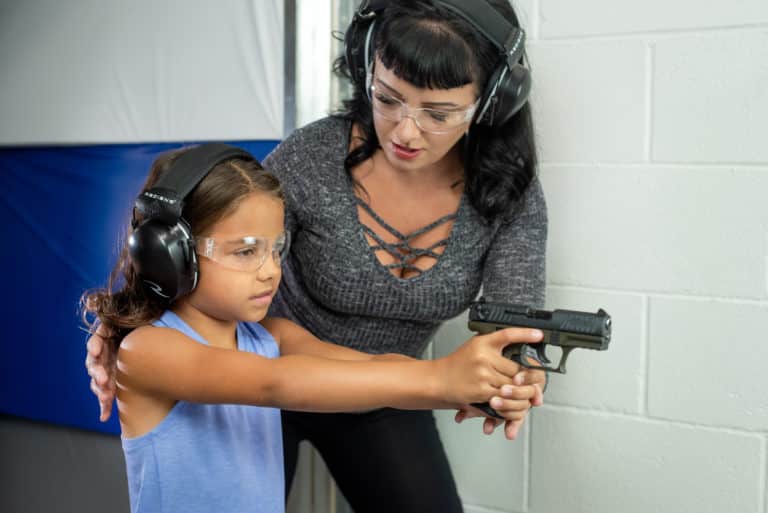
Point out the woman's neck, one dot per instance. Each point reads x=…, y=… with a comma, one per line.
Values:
x=217, y=332
x=444, y=173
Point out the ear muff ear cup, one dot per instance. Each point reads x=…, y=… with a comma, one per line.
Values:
x=164, y=257
x=504, y=95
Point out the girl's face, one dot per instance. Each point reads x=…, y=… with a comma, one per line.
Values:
x=405, y=145
x=233, y=286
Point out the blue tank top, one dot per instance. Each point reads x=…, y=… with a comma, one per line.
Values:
x=210, y=457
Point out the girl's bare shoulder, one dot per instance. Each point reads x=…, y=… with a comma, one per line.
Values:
x=144, y=334
x=154, y=342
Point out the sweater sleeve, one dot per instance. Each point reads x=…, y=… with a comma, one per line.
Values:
x=514, y=269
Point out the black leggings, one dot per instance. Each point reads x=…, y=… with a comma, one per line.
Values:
x=383, y=461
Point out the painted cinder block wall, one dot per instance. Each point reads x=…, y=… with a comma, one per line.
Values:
x=652, y=120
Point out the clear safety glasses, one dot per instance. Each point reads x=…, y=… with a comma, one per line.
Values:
x=245, y=253
x=434, y=121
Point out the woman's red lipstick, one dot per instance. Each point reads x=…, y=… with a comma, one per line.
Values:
x=405, y=153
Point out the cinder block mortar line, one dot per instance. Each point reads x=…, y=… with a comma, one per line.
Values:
x=649, y=76
x=764, y=477
x=658, y=35
x=720, y=164
x=656, y=164
x=656, y=420
x=645, y=355
x=485, y=509
x=736, y=300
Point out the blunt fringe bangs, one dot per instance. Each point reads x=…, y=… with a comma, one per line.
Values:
x=406, y=45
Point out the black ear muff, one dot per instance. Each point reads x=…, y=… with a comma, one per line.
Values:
x=164, y=257
x=509, y=86
x=161, y=245
x=505, y=94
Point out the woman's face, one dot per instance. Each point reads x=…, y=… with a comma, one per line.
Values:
x=404, y=144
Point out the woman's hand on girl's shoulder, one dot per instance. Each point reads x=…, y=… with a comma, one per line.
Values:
x=101, y=362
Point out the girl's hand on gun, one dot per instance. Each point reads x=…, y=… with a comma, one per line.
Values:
x=512, y=401
x=477, y=370
x=101, y=362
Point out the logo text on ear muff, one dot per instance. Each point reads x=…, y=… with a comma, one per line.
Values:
x=170, y=201
x=156, y=288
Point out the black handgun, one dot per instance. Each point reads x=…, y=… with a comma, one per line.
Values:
x=567, y=329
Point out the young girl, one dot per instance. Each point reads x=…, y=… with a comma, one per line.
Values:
x=188, y=367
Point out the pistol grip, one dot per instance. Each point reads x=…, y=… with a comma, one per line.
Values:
x=486, y=408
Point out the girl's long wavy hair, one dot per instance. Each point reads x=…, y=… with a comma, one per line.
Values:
x=125, y=303
x=430, y=46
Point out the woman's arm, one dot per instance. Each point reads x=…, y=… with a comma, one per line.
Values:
x=163, y=362
x=514, y=269
x=515, y=272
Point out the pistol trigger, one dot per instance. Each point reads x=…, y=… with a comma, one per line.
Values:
x=528, y=353
x=541, y=352
x=517, y=357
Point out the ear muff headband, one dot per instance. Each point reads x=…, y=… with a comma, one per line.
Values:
x=369, y=59
x=161, y=247
x=508, y=37
x=509, y=84
x=165, y=200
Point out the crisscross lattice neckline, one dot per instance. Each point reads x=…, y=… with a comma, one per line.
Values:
x=402, y=251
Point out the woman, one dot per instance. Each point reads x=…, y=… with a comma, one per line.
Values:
x=401, y=208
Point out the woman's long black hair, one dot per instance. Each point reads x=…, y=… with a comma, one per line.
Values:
x=430, y=46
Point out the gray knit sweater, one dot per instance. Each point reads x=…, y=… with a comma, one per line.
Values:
x=334, y=285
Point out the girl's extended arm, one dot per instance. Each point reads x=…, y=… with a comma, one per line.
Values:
x=100, y=359
x=163, y=362
x=295, y=339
